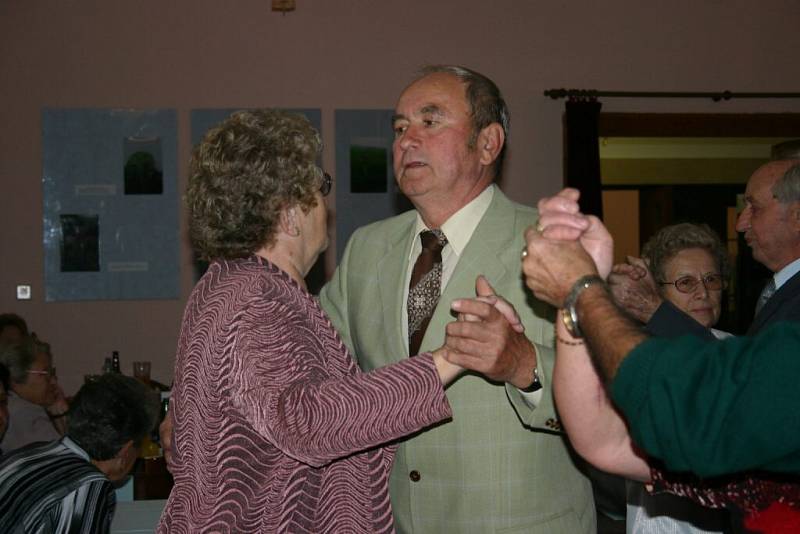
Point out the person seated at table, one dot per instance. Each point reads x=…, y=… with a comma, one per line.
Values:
x=13, y=328
x=67, y=485
x=36, y=404
x=4, y=380
x=275, y=427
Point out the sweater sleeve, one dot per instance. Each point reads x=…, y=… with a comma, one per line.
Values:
x=715, y=407
x=303, y=392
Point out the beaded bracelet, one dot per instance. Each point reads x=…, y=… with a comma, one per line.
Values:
x=568, y=342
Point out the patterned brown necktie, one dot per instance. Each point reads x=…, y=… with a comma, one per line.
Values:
x=425, y=286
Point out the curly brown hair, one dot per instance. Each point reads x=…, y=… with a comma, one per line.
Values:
x=243, y=174
x=670, y=240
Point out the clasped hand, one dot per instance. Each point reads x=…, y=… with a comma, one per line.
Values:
x=634, y=288
x=489, y=338
x=565, y=246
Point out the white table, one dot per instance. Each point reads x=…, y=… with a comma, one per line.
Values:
x=137, y=517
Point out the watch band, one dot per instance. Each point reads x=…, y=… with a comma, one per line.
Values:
x=570, y=314
x=536, y=385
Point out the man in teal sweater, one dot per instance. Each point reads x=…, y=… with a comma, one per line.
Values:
x=710, y=407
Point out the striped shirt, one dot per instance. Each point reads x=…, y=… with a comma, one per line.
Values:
x=53, y=487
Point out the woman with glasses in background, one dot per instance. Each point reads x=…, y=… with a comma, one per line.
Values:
x=36, y=405
x=688, y=266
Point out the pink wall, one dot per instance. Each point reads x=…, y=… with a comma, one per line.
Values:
x=340, y=54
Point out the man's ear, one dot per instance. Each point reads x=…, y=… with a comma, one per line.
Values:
x=490, y=143
x=126, y=449
x=289, y=224
x=124, y=459
x=794, y=215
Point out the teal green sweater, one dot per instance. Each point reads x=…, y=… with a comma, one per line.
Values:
x=716, y=407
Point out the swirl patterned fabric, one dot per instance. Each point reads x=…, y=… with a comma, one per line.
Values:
x=276, y=429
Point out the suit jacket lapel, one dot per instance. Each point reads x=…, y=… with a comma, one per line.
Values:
x=491, y=239
x=775, y=303
x=391, y=277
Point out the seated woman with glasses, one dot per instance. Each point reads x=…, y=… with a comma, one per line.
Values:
x=36, y=405
x=4, y=384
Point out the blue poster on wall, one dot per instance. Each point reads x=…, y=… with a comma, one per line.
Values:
x=110, y=204
x=365, y=187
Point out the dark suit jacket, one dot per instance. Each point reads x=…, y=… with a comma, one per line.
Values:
x=784, y=305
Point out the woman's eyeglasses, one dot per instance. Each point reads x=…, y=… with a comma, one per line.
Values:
x=327, y=182
x=48, y=372
x=687, y=284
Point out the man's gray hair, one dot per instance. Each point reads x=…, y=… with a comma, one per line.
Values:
x=787, y=189
x=786, y=150
x=485, y=101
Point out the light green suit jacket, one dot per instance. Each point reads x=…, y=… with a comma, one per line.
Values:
x=498, y=465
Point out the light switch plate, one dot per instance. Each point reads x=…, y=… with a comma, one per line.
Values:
x=23, y=292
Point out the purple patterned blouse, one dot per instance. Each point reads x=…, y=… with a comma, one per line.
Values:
x=276, y=429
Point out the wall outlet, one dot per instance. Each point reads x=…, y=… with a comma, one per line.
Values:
x=23, y=292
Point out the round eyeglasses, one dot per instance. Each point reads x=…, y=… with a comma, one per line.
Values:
x=48, y=372
x=687, y=284
x=327, y=183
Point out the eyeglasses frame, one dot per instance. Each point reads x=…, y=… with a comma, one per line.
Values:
x=326, y=185
x=703, y=280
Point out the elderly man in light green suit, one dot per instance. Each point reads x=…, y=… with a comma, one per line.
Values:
x=501, y=464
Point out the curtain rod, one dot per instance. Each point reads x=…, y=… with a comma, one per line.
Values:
x=555, y=94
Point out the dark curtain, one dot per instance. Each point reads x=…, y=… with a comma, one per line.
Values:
x=582, y=153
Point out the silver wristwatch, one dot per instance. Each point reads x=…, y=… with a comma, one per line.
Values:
x=570, y=314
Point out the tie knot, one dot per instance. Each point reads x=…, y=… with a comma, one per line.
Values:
x=433, y=240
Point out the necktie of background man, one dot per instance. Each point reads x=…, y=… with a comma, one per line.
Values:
x=766, y=293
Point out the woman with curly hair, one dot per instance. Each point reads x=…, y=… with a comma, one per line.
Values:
x=275, y=427
x=690, y=266
x=683, y=266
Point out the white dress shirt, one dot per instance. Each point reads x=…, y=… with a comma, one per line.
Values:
x=458, y=229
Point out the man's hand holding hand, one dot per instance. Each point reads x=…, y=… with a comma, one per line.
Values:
x=565, y=246
x=488, y=338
